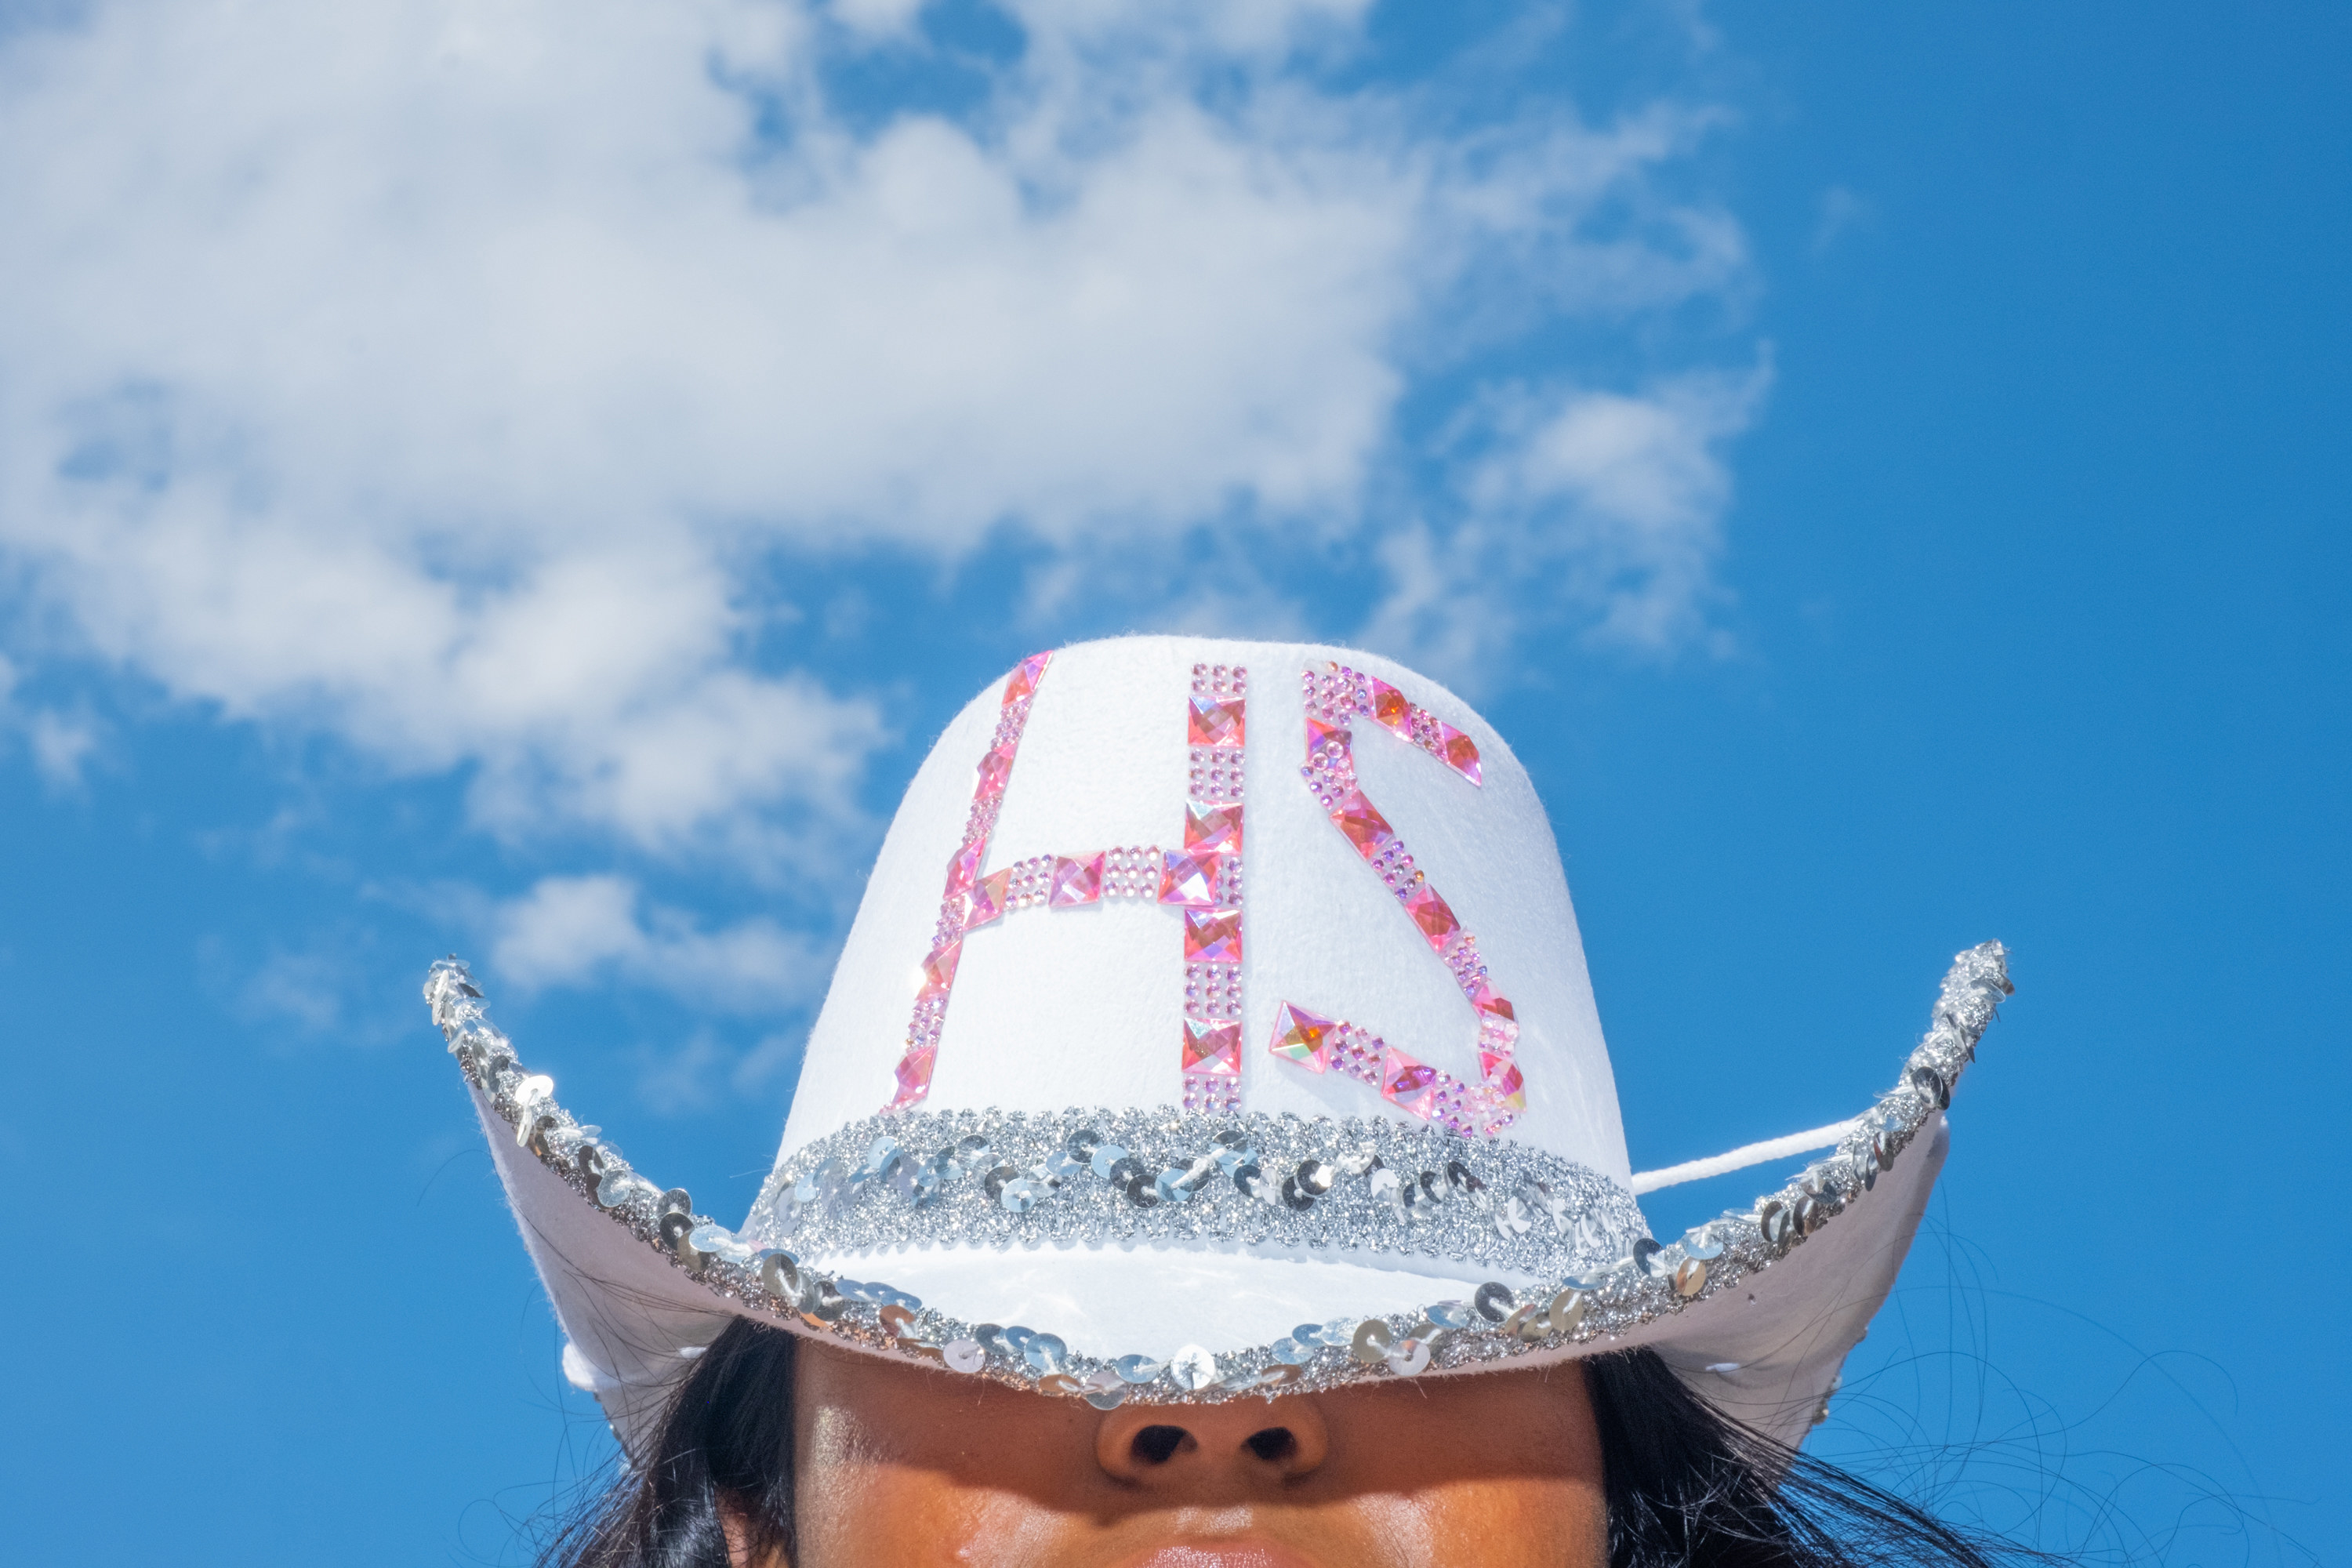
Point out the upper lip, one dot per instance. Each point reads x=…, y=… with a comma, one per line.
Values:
x=1230, y=1553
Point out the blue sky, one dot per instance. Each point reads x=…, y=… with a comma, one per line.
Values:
x=469, y=482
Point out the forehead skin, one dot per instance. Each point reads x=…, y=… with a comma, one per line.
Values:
x=903, y=1467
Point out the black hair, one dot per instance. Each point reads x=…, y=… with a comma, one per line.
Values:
x=1685, y=1487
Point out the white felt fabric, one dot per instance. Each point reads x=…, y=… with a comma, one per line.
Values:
x=1054, y=1009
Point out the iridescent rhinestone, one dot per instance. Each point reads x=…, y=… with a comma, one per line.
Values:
x=1213, y=936
x=1022, y=683
x=1212, y=1050
x=1407, y=1084
x=1432, y=914
x=1074, y=882
x=1190, y=878
x=994, y=772
x=988, y=900
x=1366, y=828
x=1216, y=723
x=1300, y=1035
x=1192, y=1368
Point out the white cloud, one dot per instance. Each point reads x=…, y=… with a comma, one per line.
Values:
x=577, y=930
x=61, y=741
x=425, y=371
x=1607, y=505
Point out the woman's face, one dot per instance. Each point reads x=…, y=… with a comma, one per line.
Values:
x=901, y=1467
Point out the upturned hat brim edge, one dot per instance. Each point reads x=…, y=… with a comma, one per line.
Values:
x=1757, y=1310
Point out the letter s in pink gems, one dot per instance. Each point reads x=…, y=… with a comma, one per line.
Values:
x=1324, y=1045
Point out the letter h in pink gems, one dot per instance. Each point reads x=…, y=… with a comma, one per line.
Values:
x=1326, y=1045
x=1203, y=881
x=970, y=899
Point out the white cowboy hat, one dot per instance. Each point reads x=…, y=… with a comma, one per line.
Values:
x=1090, y=1112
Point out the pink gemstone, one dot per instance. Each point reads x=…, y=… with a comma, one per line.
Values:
x=1319, y=733
x=1366, y=828
x=1213, y=1049
x=1212, y=828
x=1483, y=997
x=985, y=904
x=1429, y=912
x=1460, y=752
x=1213, y=936
x=1190, y=879
x=1389, y=705
x=1407, y=1084
x=1503, y=1079
x=1022, y=683
x=1216, y=723
x=1300, y=1035
x=1075, y=881
x=938, y=969
x=995, y=771
x=914, y=1078
x=964, y=869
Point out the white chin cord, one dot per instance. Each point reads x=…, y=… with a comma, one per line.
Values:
x=1741, y=1158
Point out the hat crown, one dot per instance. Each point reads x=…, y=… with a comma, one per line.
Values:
x=1129, y=872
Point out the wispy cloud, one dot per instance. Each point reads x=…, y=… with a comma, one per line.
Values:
x=437, y=375
x=1605, y=507
x=573, y=930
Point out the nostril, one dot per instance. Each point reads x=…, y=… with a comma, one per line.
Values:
x=1157, y=1444
x=1274, y=1445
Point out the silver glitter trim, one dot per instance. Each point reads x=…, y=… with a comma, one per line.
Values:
x=1652, y=1281
x=1187, y=1178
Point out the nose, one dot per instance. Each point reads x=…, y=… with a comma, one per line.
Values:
x=1242, y=1444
